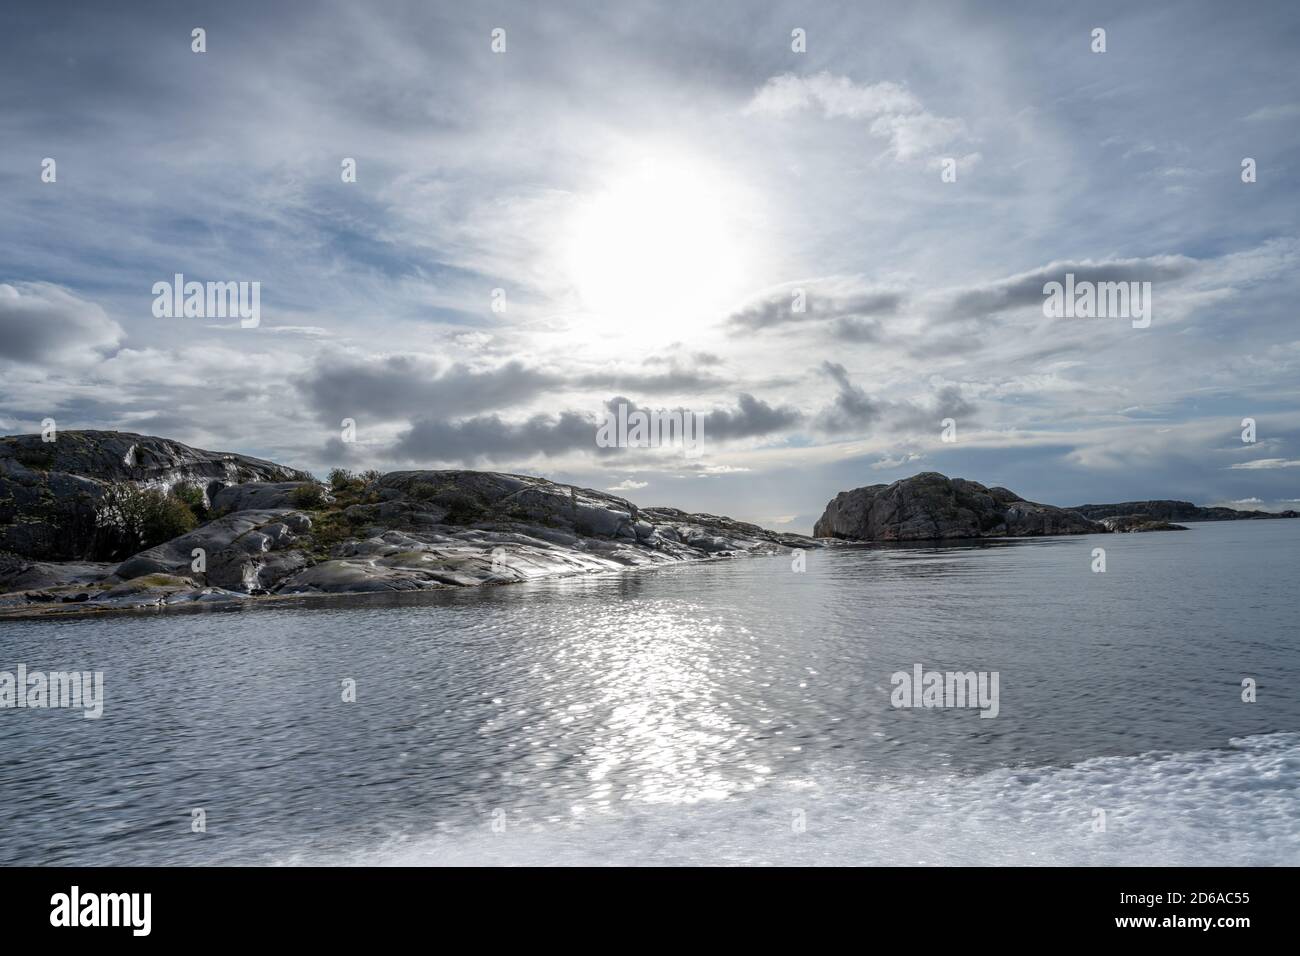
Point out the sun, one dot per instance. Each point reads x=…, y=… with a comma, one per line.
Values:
x=657, y=250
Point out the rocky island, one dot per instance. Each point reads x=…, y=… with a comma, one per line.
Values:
x=931, y=506
x=1165, y=510
x=100, y=520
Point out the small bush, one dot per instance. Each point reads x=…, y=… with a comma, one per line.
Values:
x=423, y=491
x=371, y=476
x=130, y=519
x=36, y=457
x=193, y=497
x=340, y=479
x=462, y=507
x=328, y=530
x=307, y=496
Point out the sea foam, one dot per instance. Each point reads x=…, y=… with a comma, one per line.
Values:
x=1234, y=806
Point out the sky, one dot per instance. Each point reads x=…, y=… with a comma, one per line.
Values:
x=623, y=203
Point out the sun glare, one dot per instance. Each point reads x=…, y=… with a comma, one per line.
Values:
x=656, y=250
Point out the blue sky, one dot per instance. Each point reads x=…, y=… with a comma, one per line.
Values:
x=649, y=184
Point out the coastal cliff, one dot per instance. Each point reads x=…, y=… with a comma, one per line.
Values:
x=49, y=490
x=258, y=528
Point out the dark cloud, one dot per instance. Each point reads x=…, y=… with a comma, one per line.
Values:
x=853, y=409
x=777, y=309
x=44, y=323
x=676, y=379
x=491, y=438
x=695, y=358
x=400, y=387
x=853, y=317
x=854, y=329
x=1026, y=288
x=751, y=418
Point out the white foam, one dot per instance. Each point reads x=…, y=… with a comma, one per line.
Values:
x=1234, y=806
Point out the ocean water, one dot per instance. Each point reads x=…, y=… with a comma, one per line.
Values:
x=733, y=711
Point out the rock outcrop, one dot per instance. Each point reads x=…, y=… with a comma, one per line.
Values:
x=931, y=506
x=258, y=494
x=1165, y=510
x=403, y=531
x=48, y=490
x=248, y=551
x=1123, y=524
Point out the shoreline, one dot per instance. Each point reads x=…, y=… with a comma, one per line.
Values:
x=233, y=601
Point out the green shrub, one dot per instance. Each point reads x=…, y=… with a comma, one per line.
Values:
x=340, y=479
x=328, y=530
x=193, y=497
x=462, y=507
x=307, y=496
x=423, y=491
x=36, y=457
x=130, y=519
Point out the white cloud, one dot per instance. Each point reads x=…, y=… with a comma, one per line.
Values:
x=917, y=135
x=627, y=485
x=1265, y=463
x=835, y=95
x=886, y=463
x=896, y=114
x=40, y=322
x=1284, y=111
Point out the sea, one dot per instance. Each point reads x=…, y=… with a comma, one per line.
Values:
x=742, y=711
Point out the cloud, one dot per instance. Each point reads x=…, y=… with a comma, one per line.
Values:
x=41, y=322
x=491, y=438
x=831, y=299
x=1283, y=111
x=851, y=308
x=1265, y=463
x=1026, y=288
x=834, y=95
x=854, y=329
x=751, y=418
x=628, y=485
x=886, y=463
x=852, y=409
x=676, y=379
x=918, y=135
x=409, y=387
x=487, y=438
x=896, y=114
x=405, y=387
